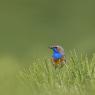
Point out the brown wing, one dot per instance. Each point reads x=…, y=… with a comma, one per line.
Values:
x=61, y=50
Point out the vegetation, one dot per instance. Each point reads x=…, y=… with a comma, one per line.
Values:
x=77, y=77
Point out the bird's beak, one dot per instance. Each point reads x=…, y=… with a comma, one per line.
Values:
x=50, y=47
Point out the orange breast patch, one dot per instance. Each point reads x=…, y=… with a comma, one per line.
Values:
x=58, y=61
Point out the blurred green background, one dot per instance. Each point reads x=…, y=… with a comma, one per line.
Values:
x=28, y=27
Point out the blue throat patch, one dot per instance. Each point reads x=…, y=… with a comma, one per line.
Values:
x=56, y=55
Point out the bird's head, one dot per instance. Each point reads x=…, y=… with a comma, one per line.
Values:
x=57, y=49
x=54, y=48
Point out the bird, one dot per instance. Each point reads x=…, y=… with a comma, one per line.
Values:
x=58, y=56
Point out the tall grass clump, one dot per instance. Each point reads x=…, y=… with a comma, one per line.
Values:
x=76, y=77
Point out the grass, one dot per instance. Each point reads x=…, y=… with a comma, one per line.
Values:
x=77, y=77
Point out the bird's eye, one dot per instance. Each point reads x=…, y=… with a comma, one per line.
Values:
x=56, y=47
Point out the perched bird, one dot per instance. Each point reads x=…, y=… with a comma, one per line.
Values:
x=58, y=56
